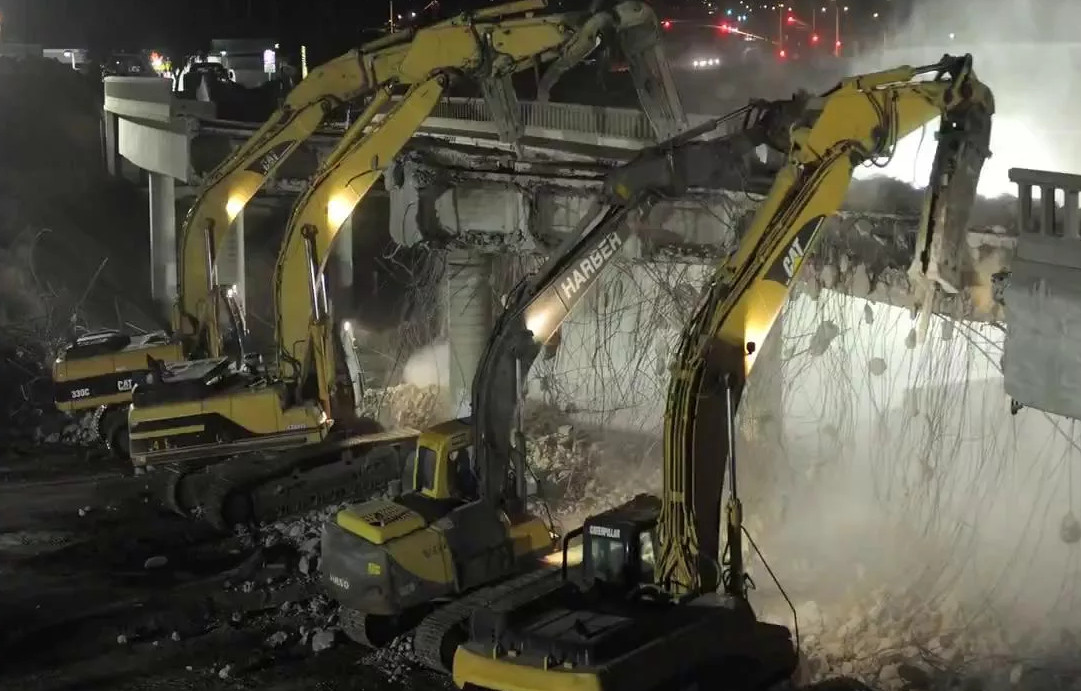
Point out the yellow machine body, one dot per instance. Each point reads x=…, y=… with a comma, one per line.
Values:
x=84, y=381
x=386, y=556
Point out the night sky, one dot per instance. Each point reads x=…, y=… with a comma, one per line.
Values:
x=152, y=23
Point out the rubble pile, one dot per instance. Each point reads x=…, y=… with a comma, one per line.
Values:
x=405, y=405
x=25, y=391
x=78, y=430
x=899, y=641
x=578, y=476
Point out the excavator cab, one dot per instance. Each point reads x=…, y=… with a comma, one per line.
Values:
x=231, y=324
x=619, y=546
x=444, y=466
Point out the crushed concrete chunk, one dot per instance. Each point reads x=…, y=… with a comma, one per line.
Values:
x=322, y=639
x=278, y=639
x=310, y=546
x=225, y=672
x=1016, y=672
x=155, y=562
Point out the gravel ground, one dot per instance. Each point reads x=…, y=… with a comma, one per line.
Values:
x=98, y=589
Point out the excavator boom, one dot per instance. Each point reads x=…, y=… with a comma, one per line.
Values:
x=491, y=51
x=539, y=304
x=644, y=613
x=860, y=120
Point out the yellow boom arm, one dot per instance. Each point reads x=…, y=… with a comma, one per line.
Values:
x=401, y=59
x=860, y=119
x=469, y=45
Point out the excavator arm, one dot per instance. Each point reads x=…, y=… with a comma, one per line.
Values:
x=492, y=40
x=540, y=303
x=488, y=46
x=239, y=177
x=860, y=120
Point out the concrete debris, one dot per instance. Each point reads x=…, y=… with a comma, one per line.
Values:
x=84, y=511
x=121, y=640
x=896, y=642
x=1070, y=529
x=405, y=405
x=876, y=366
x=323, y=639
x=155, y=562
x=308, y=564
x=395, y=660
x=1016, y=672
x=823, y=336
x=175, y=636
x=225, y=672
x=78, y=431
x=277, y=639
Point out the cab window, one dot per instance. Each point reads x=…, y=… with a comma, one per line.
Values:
x=647, y=560
x=463, y=480
x=425, y=468
x=607, y=556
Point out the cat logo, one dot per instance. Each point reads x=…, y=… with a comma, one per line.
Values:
x=265, y=164
x=604, y=531
x=793, y=259
x=124, y=385
x=786, y=266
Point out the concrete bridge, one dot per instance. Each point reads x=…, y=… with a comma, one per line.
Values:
x=460, y=189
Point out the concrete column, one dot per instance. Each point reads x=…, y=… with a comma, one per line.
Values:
x=111, y=143
x=231, y=261
x=1024, y=206
x=162, y=237
x=1047, y=210
x=342, y=274
x=467, y=300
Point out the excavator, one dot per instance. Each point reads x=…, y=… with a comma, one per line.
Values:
x=192, y=415
x=425, y=559
x=654, y=603
x=98, y=371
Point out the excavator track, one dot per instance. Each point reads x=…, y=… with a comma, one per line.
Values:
x=438, y=635
x=375, y=630
x=355, y=626
x=262, y=487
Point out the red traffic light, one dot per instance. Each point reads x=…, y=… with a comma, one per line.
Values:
x=725, y=28
x=783, y=54
x=667, y=24
x=814, y=38
x=791, y=19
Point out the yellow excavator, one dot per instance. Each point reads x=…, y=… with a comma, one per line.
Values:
x=654, y=603
x=194, y=414
x=463, y=536
x=99, y=370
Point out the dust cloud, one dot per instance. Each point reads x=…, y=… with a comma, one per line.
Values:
x=1027, y=52
x=428, y=366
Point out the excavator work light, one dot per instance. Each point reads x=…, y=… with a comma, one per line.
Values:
x=339, y=207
